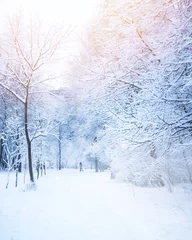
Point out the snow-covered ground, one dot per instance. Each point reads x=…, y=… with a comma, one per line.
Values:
x=73, y=205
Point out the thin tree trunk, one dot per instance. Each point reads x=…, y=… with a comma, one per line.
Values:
x=28, y=140
x=187, y=166
x=96, y=165
x=37, y=172
x=59, y=163
x=16, y=177
x=20, y=166
x=1, y=153
x=25, y=170
x=8, y=175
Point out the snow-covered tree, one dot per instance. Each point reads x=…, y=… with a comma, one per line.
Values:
x=24, y=52
x=136, y=64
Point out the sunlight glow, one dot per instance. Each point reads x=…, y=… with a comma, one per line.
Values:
x=73, y=12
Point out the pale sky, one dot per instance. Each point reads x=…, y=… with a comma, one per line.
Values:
x=76, y=13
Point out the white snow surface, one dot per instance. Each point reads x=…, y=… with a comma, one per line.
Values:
x=73, y=205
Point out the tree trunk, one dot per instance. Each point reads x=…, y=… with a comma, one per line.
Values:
x=59, y=163
x=19, y=166
x=8, y=175
x=1, y=155
x=16, y=177
x=187, y=166
x=28, y=139
x=96, y=165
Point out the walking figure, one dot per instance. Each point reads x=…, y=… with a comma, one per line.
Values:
x=44, y=168
x=41, y=167
x=80, y=166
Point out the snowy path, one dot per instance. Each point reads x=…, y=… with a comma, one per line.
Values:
x=70, y=205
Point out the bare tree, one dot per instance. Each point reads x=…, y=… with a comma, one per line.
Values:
x=24, y=53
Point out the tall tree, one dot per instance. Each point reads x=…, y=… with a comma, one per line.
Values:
x=24, y=53
x=137, y=60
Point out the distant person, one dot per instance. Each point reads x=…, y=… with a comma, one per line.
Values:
x=41, y=168
x=80, y=166
x=44, y=168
